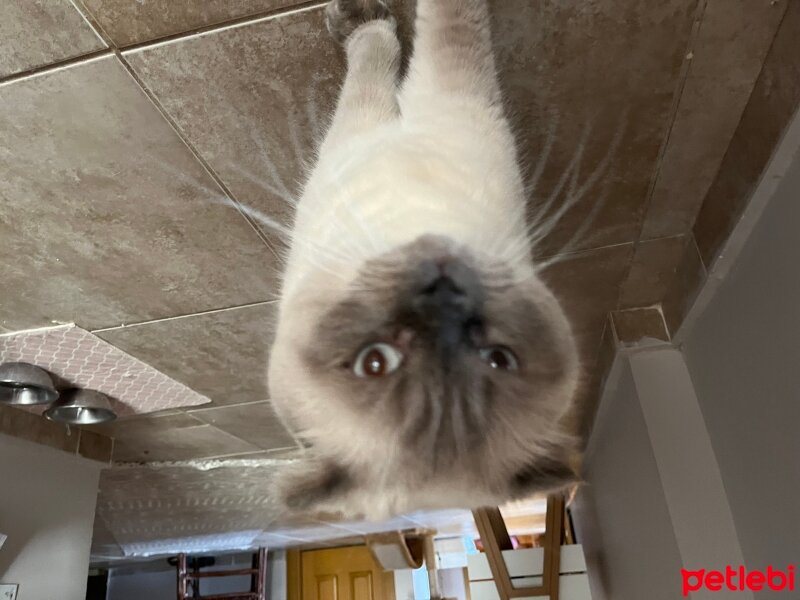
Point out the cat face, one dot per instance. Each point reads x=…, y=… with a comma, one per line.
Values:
x=435, y=350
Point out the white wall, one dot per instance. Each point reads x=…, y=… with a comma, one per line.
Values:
x=158, y=581
x=621, y=515
x=47, y=502
x=694, y=461
x=161, y=584
x=743, y=354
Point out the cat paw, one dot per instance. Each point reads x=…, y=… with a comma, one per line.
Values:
x=343, y=17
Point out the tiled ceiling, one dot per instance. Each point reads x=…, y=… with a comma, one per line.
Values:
x=141, y=509
x=130, y=132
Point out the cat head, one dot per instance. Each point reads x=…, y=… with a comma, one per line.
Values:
x=436, y=351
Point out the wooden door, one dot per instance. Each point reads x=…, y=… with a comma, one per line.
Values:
x=349, y=573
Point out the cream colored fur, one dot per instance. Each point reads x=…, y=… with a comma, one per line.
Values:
x=435, y=156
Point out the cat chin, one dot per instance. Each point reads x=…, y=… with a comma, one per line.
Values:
x=381, y=504
x=303, y=490
x=318, y=486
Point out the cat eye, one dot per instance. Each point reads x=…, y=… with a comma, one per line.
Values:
x=500, y=358
x=377, y=360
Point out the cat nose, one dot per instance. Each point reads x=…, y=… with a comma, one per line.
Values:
x=446, y=301
x=443, y=305
x=446, y=282
x=444, y=308
x=443, y=290
x=447, y=292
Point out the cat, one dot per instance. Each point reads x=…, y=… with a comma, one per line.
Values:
x=418, y=355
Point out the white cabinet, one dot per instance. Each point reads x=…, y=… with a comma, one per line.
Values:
x=525, y=568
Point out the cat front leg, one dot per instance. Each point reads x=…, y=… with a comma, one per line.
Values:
x=368, y=97
x=452, y=56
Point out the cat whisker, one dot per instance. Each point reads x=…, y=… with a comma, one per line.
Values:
x=600, y=202
x=543, y=221
x=576, y=195
x=263, y=184
x=541, y=163
x=283, y=231
x=294, y=137
x=202, y=184
x=311, y=106
x=573, y=240
x=269, y=165
x=258, y=216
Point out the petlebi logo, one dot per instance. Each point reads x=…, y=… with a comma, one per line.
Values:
x=738, y=579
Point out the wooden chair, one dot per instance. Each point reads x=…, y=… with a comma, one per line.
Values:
x=258, y=574
x=495, y=539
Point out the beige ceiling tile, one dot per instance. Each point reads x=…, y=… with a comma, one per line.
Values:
x=652, y=270
x=133, y=21
x=104, y=544
x=105, y=216
x=636, y=324
x=95, y=446
x=690, y=276
x=587, y=284
x=773, y=103
x=142, y=504
x=35, y=428
x=727, y=55
x=222, y=355
x=442, y=519
x=568, y=68
x=366, y=527
x=37, y=33
x=319, y=533
x=185, y=443
x=255, y=423
x=289, y=453
x=252, y=99
x=132, y=426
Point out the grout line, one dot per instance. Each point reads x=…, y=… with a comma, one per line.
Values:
x=114, y=49
x=193, y=411
x=92, y=23
x=196, y=153
x=185, y=316
x=693, y=242
x=683, y=77
x=36, y=329
x=654, y=306
x=210, y=462
x=582, y=251
x=612, y=329
x=56, y=66
x=663, y=237
x=235, y=23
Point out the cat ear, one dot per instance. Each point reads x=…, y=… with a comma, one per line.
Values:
x=310, y=485
x=545, y=474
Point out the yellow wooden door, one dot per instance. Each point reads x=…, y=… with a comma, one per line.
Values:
x=349, y=573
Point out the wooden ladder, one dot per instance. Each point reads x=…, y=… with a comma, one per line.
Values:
x=258, y=573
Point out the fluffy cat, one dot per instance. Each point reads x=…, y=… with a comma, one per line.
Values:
x=418, y=354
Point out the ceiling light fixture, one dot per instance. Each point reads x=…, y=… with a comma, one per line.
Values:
x=81, y=407
x=25, y=385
